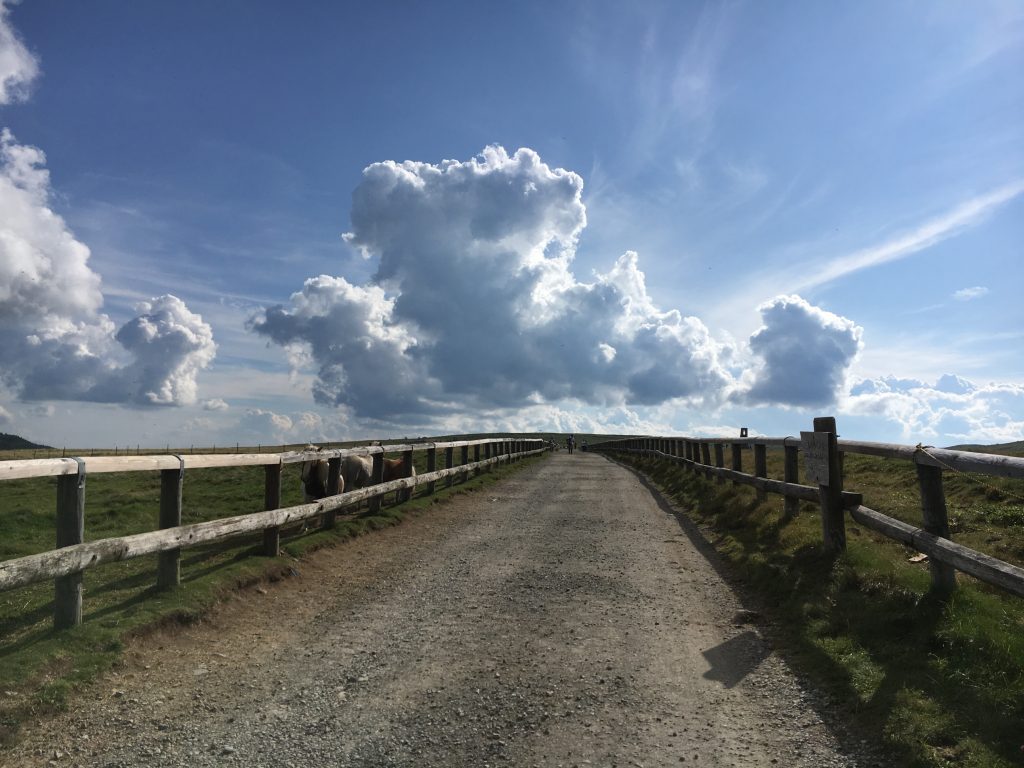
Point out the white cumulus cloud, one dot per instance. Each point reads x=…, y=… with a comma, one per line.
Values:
x=260, y=423
x=474, y=305
x=952, y=407
x=805, y=353
x=58, y=345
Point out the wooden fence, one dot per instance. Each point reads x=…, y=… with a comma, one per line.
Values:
x=66, y=564
x=822, y=459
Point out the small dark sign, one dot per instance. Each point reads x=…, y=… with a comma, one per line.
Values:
x=815, y=447
x=743, y=431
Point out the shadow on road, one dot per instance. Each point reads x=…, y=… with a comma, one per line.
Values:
x=736, y=658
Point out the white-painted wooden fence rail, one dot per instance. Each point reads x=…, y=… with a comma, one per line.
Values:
x=66, y=564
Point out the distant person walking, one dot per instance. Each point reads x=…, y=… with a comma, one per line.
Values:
x=570, y=443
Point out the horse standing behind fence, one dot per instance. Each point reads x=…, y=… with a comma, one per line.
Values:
x=315, y=475
x=358, y=472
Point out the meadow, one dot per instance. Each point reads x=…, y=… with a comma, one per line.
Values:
x=939, y=683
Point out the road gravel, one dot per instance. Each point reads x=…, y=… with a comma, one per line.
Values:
x=566, y=616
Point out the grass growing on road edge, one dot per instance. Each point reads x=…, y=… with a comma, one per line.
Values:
x=936, y=684
x=39, y=667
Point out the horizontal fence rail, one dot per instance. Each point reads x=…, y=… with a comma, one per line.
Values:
x=17, y=469
x=73, y=556
x=822, y=460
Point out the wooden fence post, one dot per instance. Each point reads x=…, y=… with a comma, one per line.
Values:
x=761, y=467
x=168, y=566
x=705, y=454
x=376, y=478
x=476, y=457
x=272, y=500
x=464, y=461
x=720, y=461
x=67, y=590
x=791, y=474
x=936, y=521
x=334, y=487
x=833, y=522
x=431, y=467
x=737, y=458
x=449, y=460
x=406, y=472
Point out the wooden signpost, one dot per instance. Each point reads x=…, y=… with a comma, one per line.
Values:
x=815, y=447
x=822, y=464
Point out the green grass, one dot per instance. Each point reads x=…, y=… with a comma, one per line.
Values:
x=40, y=667
x=939, y=684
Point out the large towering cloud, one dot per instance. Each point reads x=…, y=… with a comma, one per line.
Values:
x=805, y=354
x=473, y=301
x=56, y=343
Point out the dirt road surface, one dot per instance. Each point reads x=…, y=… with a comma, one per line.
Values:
x=563, y=617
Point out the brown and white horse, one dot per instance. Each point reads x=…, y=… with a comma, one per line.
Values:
x=358, y=471
x=315, y=475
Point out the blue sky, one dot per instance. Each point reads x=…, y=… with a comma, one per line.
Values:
x=647, y=217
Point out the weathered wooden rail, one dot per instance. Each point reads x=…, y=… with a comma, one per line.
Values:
x=823, y=465
x=73, y=556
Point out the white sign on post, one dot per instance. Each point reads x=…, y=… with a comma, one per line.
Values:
x=815, y=447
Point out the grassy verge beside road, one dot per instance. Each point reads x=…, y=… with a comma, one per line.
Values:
x=938, y=684
x=39, y=667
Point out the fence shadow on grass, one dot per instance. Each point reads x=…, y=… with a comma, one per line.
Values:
x=895, y=629
x=815, y=565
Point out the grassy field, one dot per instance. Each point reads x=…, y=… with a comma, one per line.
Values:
x=940, y=684
x=39, y=667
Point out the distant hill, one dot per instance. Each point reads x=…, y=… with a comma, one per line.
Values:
x=1008, y=449
x=15, y=443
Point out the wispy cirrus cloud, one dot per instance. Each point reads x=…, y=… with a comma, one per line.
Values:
x=803, y=274
x=967, y=214
x=670, y=80
x=18, y=66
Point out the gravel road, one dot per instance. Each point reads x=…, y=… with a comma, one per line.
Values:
x=561, y=617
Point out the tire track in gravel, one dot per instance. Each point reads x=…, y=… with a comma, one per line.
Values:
x=560, y=617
